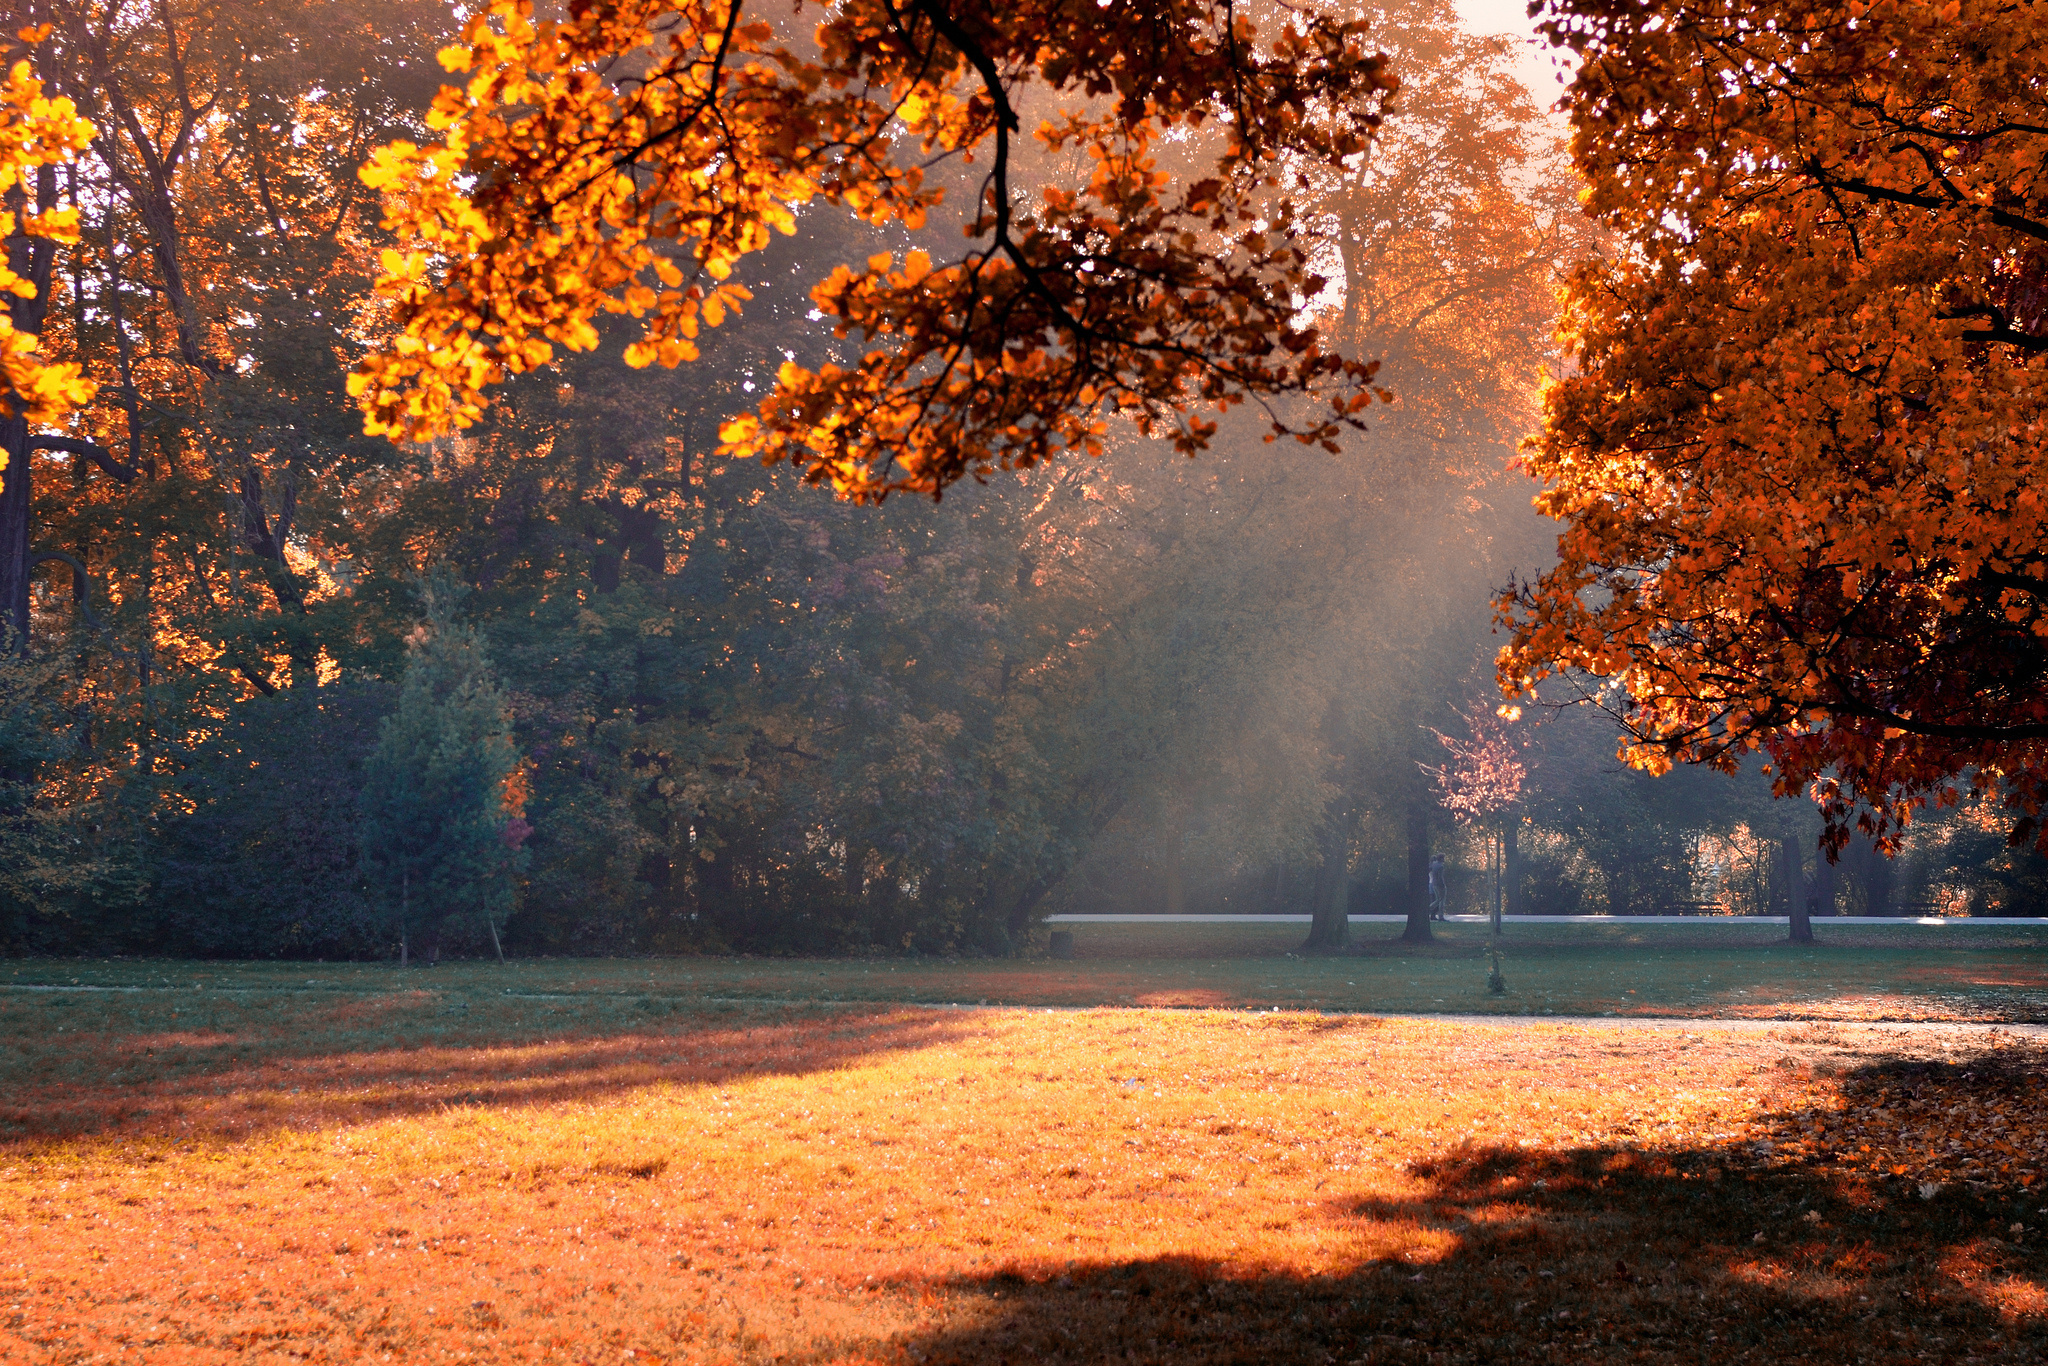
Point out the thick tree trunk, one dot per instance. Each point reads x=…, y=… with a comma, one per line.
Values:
x=1417, y=930
x=31, y=258
x=14, y=529
x=1826, y=882
x=1330, y=924
x=715, y=885
x=1800, y=912
x=1019, y=918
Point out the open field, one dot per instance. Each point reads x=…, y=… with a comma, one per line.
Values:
x=1984, y=973
x=597, y=1169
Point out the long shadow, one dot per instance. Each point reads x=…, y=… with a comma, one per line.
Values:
x=226, y=1069
x=1691, y=1254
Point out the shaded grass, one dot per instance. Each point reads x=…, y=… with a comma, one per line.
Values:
x=1977, y=973
x=576, y=1179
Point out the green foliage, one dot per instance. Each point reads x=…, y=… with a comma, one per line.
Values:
x=264, y=858
x=441, y=809
x=70, y=866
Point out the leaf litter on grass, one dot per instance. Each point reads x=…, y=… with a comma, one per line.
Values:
x=1154, y=1186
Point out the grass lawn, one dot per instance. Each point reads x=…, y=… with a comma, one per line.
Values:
x=631, y=1161
x=1981, y=973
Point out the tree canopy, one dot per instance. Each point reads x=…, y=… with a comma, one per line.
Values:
x=1799, y=461
x=624, y=158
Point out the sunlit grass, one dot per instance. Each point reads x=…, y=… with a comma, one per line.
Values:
x=1986, y=973
x=307, y=1177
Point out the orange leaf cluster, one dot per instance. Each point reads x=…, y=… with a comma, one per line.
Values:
x=622, y=159
x=36, y=132
x=1799, y=464
x=1985, y=1122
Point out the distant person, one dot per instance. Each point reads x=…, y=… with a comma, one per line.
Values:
x=1436, y=887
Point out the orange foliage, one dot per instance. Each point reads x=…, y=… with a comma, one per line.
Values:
x=961, y=1186
x=626, y=156
x=36, y=131
x=1799, y=462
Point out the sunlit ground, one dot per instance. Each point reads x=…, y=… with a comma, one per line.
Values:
x=423, y=1166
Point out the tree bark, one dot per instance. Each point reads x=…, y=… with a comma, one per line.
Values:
x=1417, y=930
x=404, y=916
x=1330, y=913
x=715, y=885
x=1500, y=879
x=1826, y=881
x=14, y=527
x=33, y=259
x=492, y=921
x=1019, y=918
x=1800, y=913
x=1511, y=861
x=1176, y=883
x=1878, y=880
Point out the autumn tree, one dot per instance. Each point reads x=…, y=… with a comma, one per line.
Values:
x=197, y=504
x=623, y=158
x=1480, y=783
x=1798, y=466
x=39, y=136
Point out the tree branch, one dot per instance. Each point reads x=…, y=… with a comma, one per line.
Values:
x=98, y=454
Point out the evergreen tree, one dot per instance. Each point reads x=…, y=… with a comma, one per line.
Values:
x=443, y=795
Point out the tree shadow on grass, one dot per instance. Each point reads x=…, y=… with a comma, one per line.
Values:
x=228, y=1069
x=1503, y=1254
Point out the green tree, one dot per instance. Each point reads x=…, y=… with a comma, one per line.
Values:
x=443, y=795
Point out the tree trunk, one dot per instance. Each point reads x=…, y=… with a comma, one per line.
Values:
x=1019, y=918
x=404, y=915
x=492, y=921
x=1417, y=930
x=31, y=258
x=1500, y=876
x=1330, y=912
x=1796, y=893
x=1826, y=882
x=14, y=524
x=1511, y=860
x=715, y=885
x=1878, y=881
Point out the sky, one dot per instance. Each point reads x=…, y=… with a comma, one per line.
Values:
x=1538, y=66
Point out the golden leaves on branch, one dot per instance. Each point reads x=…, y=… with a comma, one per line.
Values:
x=626, y=158
x=35, y=131
x=1798, y=467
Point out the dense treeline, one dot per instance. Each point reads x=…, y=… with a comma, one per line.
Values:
x=277, y=680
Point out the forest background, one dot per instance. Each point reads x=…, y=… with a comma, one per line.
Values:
x=714, y=709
